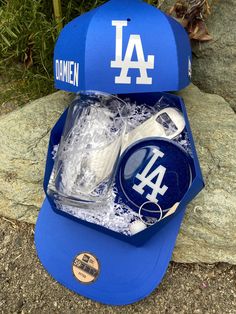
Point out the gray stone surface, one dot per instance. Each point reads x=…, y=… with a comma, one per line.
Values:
x=214, y=66
x=23, y=144
x=208, y=232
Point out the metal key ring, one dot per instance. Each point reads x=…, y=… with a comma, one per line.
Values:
x=150, y=211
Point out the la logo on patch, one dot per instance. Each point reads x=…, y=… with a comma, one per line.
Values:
x=153, y=172
x=152, y=179
x=134, y=43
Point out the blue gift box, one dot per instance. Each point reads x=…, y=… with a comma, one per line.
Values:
x=197, y=182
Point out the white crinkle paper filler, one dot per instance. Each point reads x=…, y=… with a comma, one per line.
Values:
x=117, y=216
x=137, y=226
x=114, y=216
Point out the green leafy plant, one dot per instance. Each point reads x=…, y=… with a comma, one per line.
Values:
x=27, y=36
x=28, y=31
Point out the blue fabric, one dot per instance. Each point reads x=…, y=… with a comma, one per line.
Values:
x=90, y=40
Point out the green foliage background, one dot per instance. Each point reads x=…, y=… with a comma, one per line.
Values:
x=27, y=36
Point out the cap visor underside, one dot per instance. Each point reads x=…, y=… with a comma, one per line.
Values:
x=127, y=273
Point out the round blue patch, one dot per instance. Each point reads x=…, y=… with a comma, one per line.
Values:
x=153, y=173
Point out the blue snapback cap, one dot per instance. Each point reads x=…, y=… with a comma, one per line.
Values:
x=123, y=46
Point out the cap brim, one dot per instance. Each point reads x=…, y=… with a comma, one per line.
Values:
x=127, y=273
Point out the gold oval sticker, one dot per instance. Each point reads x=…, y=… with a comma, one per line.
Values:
x=86, y=267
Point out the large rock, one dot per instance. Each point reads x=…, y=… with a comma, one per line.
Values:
x=214, y=67
x=23, y=144
x=208, y=231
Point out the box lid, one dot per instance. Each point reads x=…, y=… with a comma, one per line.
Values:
x=123, y=46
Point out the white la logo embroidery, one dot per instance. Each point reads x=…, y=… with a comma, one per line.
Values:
x=126, y=64
x=146, y=180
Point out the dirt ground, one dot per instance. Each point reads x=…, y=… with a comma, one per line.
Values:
x=27, y=288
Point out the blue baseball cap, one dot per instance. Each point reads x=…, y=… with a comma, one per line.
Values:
x=123, y=46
